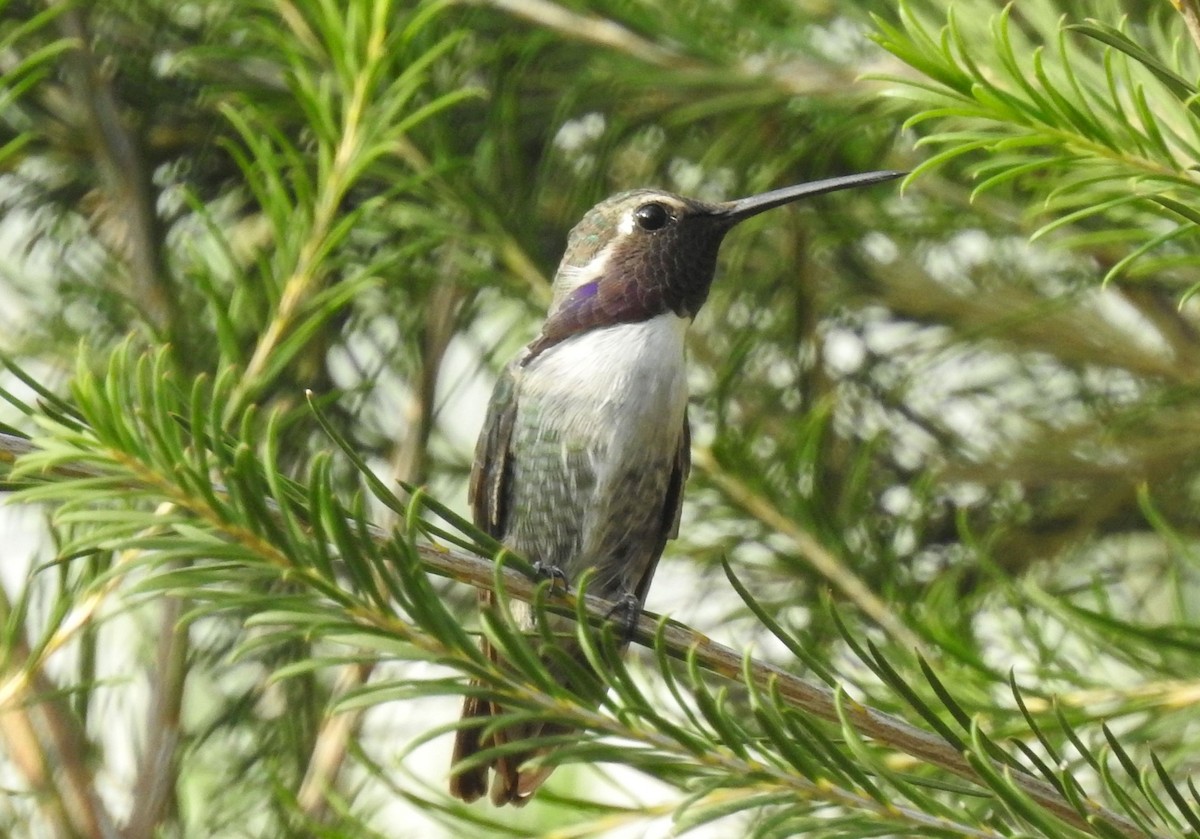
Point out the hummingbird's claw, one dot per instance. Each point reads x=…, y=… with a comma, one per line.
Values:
x=550, y=571
x=625, y=613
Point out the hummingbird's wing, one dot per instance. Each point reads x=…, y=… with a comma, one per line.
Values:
x=672, y=505
x=673, y=510
x=487, y=494
x=488, y=490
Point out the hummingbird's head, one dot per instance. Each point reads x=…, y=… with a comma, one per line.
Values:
x=643, y=249
x=646, y=252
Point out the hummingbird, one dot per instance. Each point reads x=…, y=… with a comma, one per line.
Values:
x=585, y=449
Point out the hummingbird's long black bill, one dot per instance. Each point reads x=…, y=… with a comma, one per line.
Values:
x=744, y=208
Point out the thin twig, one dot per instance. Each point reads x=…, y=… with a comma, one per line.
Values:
x=44, y=742
x=412, y=438
x=1190, y=9
x=328, y=753
x=126, y=178
x=797, y=77
x=591, y=29
x=154, y=790
x=332, y=742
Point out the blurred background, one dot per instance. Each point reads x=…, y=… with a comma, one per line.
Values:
x=957, y=420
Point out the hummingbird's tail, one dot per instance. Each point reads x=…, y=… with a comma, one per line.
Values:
x=510, y=785
x=513, y=781
x=469, y=784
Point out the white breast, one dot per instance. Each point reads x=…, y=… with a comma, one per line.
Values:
x=625, y=384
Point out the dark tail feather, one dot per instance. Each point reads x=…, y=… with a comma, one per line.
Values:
x=469, y=784
x=510, y=785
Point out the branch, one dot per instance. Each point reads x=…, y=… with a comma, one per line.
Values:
x=1190, y=9
x=155, y=789
x=332, y=742
x=46, y=745
x=592, y=29
x=684, y=643
x=330, y=746
x=126, y=178
x=795, y=77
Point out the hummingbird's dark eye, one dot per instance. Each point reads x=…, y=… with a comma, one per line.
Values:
x=652, y=216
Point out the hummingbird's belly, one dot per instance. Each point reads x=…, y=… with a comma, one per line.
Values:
x=598, y=425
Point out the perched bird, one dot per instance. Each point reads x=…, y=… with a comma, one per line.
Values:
x=585, y=450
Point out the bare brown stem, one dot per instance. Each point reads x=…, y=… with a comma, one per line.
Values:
x=329, y=749
x=131, y=221
x=154, y=790
x=408, y=458
x=796, y=77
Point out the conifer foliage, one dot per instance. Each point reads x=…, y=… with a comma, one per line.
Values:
x=261, y=260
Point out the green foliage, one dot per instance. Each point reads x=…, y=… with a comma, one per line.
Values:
x=1091, y=121
x=944, y=476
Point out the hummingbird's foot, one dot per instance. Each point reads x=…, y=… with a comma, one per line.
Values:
x=625, y=613
x=550, y=571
